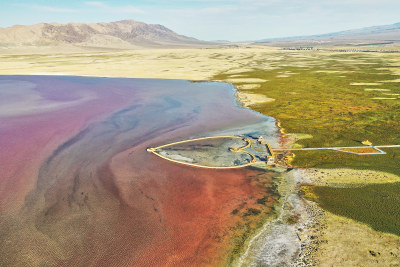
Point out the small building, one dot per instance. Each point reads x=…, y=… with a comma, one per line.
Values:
x=367, y=143
x=271, y=160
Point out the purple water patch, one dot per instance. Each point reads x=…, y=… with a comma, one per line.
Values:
x=78, y=187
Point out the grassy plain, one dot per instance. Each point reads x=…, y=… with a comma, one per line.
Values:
x=330, y=98
x=348, y=243
x=189, y=64
x=338, y=99
x=376, y=204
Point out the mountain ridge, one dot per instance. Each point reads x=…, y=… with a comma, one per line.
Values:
x=383, y=33
x=118, y=34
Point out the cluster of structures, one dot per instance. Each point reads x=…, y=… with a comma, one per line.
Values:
x=341, y=50
x=246, y=151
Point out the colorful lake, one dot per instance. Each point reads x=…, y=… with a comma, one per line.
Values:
x=78, y=188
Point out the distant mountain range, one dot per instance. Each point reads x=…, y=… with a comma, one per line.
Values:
x=131, y=34
x=379, y=35
x=121, y=34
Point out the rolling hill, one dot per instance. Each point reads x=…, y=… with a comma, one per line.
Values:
x=123, y=34
x=376, y=35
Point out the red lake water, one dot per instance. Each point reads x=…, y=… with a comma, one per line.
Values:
x=78, y=188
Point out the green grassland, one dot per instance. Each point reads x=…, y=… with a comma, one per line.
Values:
x=376, y=205
x=314, y=95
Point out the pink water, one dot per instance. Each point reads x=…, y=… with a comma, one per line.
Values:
x=78, y=188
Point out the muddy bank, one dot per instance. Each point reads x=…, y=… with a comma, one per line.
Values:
x=289, y=239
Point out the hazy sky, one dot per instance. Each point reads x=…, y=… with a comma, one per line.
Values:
x=234, y=20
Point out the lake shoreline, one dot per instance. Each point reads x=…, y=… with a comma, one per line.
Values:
x=100, y=178
x=264, y=63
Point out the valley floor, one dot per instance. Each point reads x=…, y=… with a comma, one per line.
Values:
x=320, y=98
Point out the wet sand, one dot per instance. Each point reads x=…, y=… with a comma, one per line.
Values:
x=78, y=188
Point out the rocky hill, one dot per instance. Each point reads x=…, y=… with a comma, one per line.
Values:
x=120, y=34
